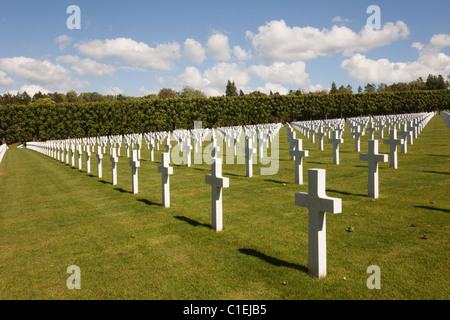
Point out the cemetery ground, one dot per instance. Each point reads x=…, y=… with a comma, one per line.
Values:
x=128, y=246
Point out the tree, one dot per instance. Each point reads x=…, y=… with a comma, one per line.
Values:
x=333, y=88
x=360, y=89
x=39, y=95
x=167, y=93
x=370, y=87
x=188, y=92
x=230, y=90
x=71, y=96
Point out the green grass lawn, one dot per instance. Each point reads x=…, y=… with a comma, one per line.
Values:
x=128, y=246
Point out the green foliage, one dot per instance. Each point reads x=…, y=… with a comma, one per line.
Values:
x=44, y=119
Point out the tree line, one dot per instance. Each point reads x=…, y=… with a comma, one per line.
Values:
x=433, y=82
x=44, y=119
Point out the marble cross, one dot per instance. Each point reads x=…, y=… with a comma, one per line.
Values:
x=317, y=203
x=165, y=171
x=99, y=161
x=373, y=157
x=217, y=182
x=298, y=153
x=335, y=141
x=393, y=142
x=114, y=159
x=135, y=164
x=249, y=151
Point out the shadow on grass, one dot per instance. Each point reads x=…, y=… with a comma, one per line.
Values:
x=122, y=190
x=193, y=222
x=274, y=261
x=316, y=162
x=433, y=208
x=429, y=171
x=276, y=181
x=148, y=202
x=347, y=193
x=438, y=155
x=233, y=174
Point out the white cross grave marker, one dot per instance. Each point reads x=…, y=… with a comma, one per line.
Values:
x=373, y=157
x=114, y=159
x=88, y=160
x=406, y=135
x=298, y=153
x=135, y=164
x=99, y=161
x=165, y=171
x=217, y=182
x=393, y=142
x=249, y=151
x=320, y=134
x=335, y=141
x=79, y=157
x=357, y=135
x=317, y=204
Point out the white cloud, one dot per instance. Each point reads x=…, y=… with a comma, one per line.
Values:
x=382, y=70
x=276, y=41
x=240, y=53
x=214, y=80
x=132, y=52
x=30, y=89
x=281, y=72
x=194, y=51
x=87, y=67
x=63, y=41
x=218, y=47
x=430, y=61
x=42, y=73
x=144, y=92
x=4, y=81
x=112, y=91
x=436, y=44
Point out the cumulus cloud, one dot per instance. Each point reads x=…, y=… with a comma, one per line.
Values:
x=430, y=61
x=194, y=51
x=87, y=67
x=276, y=41
x=41, y=73
x=5, y=81
x=281, y=72
x=112, y=91
x=63, y=41
x=136, y=53
x=382, y=70
x=213, y=81
x=240, y=53
x=218, y=47
x=30, y=89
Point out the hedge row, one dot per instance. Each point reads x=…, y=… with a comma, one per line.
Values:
x=48, y=121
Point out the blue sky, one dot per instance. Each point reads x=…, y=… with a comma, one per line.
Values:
x=139, y=47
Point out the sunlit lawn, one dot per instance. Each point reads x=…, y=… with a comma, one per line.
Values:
x=128, y=246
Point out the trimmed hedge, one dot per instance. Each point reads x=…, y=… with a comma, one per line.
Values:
x=49, y=121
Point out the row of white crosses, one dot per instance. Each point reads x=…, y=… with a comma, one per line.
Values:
x=316, y=200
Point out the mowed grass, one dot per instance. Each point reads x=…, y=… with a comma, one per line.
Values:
x=128, y=246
